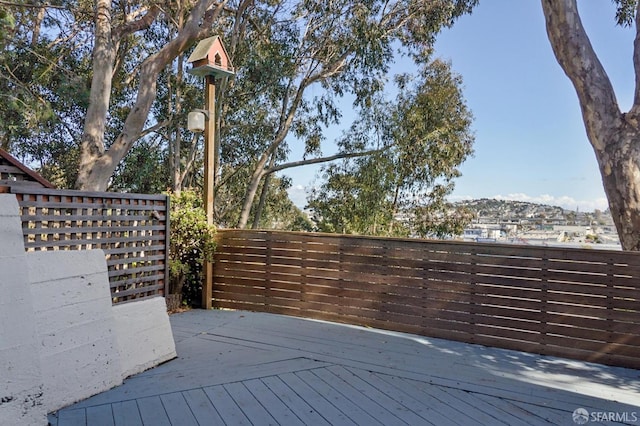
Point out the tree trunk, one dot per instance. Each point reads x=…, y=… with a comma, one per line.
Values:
x=251, y=191
x=263, y=196
x=175, y=148
x=614, y=136
x=620, y=170
x=96, y=163
x=92, y=143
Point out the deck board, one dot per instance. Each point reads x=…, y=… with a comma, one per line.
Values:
x=296, y=403
x=417, y=411
x=316, y=400
x=278, y=410
x=379, y=396
x=245, y=368
x=202, y=408
x=72, y=418
x=101, y=415
x=177, y=409
x=126, y=413
x=152, y=411
x=342, y=402
x=250, y=406
x=226, y=406
x=381, y=413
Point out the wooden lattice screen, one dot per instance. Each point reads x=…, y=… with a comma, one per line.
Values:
x=132, y=230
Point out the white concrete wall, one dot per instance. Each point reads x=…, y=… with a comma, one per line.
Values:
x=60, y=339
x=144, y=335
x=21, y=383
x=75, y=324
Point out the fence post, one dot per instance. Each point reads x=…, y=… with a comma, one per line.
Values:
x=167, y=242
x=544, y=299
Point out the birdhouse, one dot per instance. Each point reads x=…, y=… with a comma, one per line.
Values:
x=210, y=58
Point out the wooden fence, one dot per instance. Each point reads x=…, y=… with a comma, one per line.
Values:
x=576, y=303
x=132, y=229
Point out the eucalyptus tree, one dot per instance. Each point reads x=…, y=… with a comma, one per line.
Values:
x=401, y=189
x=43, y=87
x=112, y=27
x=614, y=135
x=108, y=76
x=333, y=48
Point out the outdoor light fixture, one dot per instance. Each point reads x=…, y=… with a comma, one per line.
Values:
x=196, y=120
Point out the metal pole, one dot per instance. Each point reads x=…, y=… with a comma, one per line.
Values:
x=209, y=179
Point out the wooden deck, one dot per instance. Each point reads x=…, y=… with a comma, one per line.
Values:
x=242, y=368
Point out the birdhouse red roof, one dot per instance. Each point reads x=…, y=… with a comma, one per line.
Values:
x=210, y=58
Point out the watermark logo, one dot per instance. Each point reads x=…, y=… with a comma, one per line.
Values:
x=580, y=416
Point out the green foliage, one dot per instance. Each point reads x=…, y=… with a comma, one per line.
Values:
x=43, y=92
x=401, y=190
x=192, y=242
x=6, y=24
x=279, y=211
x=625, y=11
x=295, y=61
x=143, y=171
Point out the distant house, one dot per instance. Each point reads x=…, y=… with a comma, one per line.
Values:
x=482, y=233
x=15, y=174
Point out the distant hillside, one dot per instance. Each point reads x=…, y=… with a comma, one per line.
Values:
x=506, y=209
x=492, y=207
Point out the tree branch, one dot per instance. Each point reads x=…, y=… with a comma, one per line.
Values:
x=149, y=70
x=206, y=27
x=322, y=160
x=154, y=128
x=33, y=6
x=577, y=58
x=191, y=160
x=137, y=25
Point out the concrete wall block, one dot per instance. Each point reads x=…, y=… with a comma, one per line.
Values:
x=76, y=329
x=90, y=290
x=24, y=408
x=9, y=206
x=70, y=316
x=64, y=264
x=12, y=241
x=14, y=280
x=71, y=338
x=17, y=324
x=80, y=372
x=144, y=335
x=59, y=339
x=21, y=383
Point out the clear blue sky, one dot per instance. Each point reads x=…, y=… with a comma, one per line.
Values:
x=530, y=139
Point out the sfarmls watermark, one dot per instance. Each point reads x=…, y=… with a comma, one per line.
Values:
x=581, y=416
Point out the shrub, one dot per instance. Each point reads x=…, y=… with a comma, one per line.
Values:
x=192, y=242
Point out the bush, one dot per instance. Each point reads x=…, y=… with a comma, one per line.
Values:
x=192, y=242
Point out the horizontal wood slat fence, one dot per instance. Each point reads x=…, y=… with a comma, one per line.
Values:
x=576, y=303
x=132, y=229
